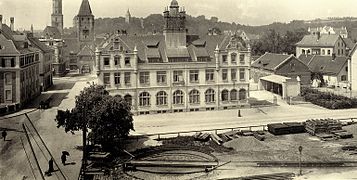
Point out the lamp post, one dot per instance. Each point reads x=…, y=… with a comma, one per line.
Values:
x=300, y=152
x=237, y=98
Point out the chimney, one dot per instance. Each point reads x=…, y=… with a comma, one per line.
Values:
x=0, y=21
x=12, y=23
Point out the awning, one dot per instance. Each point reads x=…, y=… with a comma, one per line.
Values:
x=275, y=79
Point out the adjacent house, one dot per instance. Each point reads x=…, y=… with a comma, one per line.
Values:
x=342, y=31
x=332, y=71
x=46, y=60
x=19, y=69
x=322, y=44
x=280, y=64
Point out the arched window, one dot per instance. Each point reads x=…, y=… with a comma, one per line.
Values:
x=233, y=95
x=234, y=58
x=178, y=97
x=194, y=97
x=242, y=94
x=129, y=99
x=161, y=98
x=144, y=99
x=224, y=95
x=209, y=96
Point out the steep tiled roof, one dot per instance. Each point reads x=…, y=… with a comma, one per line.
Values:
x=325, y=40
x=52, y=32
x=270, y=61
x=71, y=45
x=153, y=46
x=7, y=46
x=86, y=51
x=6, y=31
x=349, y=42
x=43, y=47
x=85, y=9
x=306, y=58
x=326, y=65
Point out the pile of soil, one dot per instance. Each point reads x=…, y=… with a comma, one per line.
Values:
x=246, y=144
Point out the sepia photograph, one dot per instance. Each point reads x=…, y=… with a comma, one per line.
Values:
x=178, y=90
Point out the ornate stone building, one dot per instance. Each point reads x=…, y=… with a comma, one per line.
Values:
x=175, y=72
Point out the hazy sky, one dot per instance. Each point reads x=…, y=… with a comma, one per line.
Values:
x=251, y=12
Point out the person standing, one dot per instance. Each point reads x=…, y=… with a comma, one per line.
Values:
x=4, y=134
x=64, y=159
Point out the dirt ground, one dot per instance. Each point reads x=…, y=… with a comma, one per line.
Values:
x=276, y=148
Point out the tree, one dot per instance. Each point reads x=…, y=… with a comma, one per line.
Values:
x=109, y=118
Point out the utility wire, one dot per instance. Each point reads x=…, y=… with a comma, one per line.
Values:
x=28, y=158
x=33, y=152
x=43, y=142
x=47, y=159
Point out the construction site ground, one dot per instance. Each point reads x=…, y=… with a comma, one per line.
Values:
x=243, y=154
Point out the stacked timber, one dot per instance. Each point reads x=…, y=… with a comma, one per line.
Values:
x=286, y=128
x=278, y=129
x=259, y=136
x=317, y=126
x=202, y=137
x=216, y=139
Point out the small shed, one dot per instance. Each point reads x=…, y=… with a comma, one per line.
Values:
x=280, y=85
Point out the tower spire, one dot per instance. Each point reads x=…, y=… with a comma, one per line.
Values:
x=57, y=16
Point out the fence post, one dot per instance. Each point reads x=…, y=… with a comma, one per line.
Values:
x=158, y=136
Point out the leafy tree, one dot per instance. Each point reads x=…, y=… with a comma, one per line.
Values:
x=109, y=118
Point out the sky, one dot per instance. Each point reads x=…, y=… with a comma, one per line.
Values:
x=248, y=12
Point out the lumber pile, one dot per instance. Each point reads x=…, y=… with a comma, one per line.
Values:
x=259, y=136
x=286, y=128
x=317, y=126
x=216, y=139
x=202, y=137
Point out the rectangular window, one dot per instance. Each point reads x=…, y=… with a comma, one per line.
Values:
x=116, y=60
x=178, y=76
x=224, y=59
x=234, y=58
x=117, y=78
x=106, y=61
x=210, y=75
x=127, y=78
x=242, y=74
x=127, y=61
x=8, y=95
x=8, y=78
x=234, y=74
x=224, y=74
x=161, y=77
x=106, y=78
x=144, y=78
x=8, y=63
x=194, y=76
x=242, y=59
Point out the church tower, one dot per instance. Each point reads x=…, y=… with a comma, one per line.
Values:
x=84, y=23
x=175, y=26
x=127, y=17
x=57, y=16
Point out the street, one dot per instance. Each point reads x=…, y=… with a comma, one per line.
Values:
x=13, y=160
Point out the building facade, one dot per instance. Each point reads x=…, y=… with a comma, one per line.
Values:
x=173, y=73
x=19, y=69
x=46, y=56
x=53, y=39
x=324, y=45
x=342, y=31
